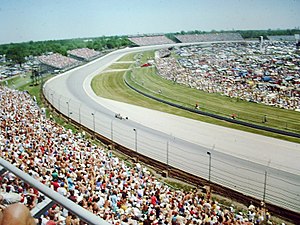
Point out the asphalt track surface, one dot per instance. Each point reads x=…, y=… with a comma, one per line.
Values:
x=239, y=160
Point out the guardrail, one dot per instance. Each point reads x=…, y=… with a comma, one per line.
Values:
x=282, y=191
x=83, y=214
x=109, y=130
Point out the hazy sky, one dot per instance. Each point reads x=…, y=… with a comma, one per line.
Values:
x=25, y=20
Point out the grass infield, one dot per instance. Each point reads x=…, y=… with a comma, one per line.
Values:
x=111, y=85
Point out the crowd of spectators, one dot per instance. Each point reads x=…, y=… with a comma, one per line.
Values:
x=190, y=38
x=58, y=61
x=151, y=40
x=84, y=53
x=94, y=178
x=268, y=74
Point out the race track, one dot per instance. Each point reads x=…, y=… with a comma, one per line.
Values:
x=239, y=160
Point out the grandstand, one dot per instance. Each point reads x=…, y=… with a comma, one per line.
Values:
x=75, y=173
x=204, y=69
x=83, y=54
x=190, y=38
x=151, y=40
x=282, y=38
x=56, y=61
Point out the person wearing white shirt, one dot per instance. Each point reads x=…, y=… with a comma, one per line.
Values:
x=62, y=190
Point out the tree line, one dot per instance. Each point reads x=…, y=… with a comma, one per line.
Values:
x=18, y=51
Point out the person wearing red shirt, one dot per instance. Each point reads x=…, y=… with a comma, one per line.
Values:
x=153, y=200
x=55, y=184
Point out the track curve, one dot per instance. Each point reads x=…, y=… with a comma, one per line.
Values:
x=240, y=160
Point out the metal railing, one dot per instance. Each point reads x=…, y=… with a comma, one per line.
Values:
x=260, y=181
x=83, y=214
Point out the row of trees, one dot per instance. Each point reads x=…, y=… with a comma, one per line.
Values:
x=18, y=51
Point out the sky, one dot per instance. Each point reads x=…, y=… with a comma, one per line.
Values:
x=37, y=20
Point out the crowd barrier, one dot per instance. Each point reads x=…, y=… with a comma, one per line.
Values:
x=82, y=213
x=275, y=187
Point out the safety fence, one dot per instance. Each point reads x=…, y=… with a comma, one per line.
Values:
x=55, y=197
x=271, y=185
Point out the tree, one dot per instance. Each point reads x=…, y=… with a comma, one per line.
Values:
x=34, y=76
x=17, y=54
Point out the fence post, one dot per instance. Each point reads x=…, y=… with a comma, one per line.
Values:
x=265, y=186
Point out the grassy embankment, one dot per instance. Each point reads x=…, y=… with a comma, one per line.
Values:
x=111, y=85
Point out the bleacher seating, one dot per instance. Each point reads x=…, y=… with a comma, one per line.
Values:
x=151, y=40
x=83, y=53
x=58, y=61
x=190, y=38
x=282, y=38
x=93, y=177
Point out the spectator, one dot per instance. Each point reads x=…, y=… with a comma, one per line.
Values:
x=150, y=40
x=16, y=214
x=58, y=61
x=9, y=198
x=211, y=37
x=101, y=182
x=84, y=53
x=238, y=71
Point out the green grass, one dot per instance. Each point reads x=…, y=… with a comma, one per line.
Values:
x=128, y=57
x=114, y=89
x=17, y=81
x=25, y=84
x=115, y=66
x=145, y=79
x=146, y=56
x=112, y=86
